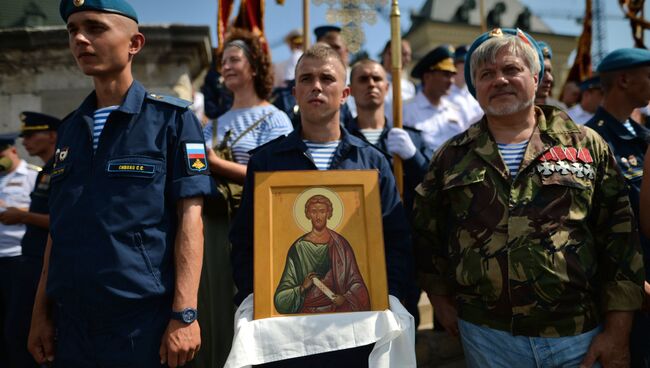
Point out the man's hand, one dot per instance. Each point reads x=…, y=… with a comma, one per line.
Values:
x=399, y=143
x=40, y=342
x=609, y=350
x=611, y=347
x=180, y=343
x=445, y=311
x=307, y=283
x=12, y=216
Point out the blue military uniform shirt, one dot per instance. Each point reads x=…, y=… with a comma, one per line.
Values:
x=113, y=212
x=290, y=153
x=35, y=238
x=629, y=150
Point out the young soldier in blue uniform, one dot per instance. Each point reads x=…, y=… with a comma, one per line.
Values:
x=320, y=90
x=39, y=138
x=17, y=179
x=625, y=79
x=123, y=263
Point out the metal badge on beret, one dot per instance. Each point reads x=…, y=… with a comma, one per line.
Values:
x=78, y=3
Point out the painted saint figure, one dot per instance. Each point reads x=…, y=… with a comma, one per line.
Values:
x=321, y=274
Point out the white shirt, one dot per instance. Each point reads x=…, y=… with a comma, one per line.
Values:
x=467, y=103
x=436, y=123
x=579, y=115
x=15, y=190
x=286, y=70
x=408, y=92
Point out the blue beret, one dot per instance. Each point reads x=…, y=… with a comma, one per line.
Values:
x=440, y=58
x=500, y=32
x=589, y=83
x=321, y=31
x=546, y=50
x=37, y=122
x=624, y=59
x=120, y=7
x=7, y=139
x=459, y=54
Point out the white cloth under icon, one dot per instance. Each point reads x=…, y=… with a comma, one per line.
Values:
x=272, y=339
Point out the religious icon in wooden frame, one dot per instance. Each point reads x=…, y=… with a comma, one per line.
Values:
x=319, y=244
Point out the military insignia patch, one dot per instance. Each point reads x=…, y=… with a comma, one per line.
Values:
x=60, y=155
x=195, y=157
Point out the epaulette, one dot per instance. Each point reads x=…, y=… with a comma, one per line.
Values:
x=34, y=167
x=174, y=101
x=266, y=144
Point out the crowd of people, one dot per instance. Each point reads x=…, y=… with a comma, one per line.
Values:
x=525, y=219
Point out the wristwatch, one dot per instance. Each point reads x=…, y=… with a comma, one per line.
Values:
x=187, y=315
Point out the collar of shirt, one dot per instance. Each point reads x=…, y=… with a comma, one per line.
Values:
x=617, y=128
x=294, y=141
x=132, y=103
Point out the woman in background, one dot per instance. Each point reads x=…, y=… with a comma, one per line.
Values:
x=252, y=120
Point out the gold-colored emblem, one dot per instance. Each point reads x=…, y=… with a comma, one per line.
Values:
x=198, y=164
x=546, y=52
x=497, y=32
x=601, y=123
x=78, y=3
x=22, y=117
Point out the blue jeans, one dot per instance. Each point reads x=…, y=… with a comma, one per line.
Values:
x=486, y=347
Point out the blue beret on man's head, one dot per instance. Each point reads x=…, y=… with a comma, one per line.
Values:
x=500, y=32
x=120, y=7
x=546, y=50
x=626, y=58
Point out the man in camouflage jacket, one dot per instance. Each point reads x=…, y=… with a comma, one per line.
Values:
x=551, y=251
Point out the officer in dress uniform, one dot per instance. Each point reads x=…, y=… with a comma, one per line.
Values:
x=123, y=262
x=436, y=117
x=626, y=85
x=17, y=179
x=39, y=138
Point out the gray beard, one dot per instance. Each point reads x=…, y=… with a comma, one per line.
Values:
x=509, y=109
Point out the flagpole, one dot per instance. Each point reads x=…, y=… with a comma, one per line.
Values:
x=482, y=14
x=396, y=66
x=305, y=24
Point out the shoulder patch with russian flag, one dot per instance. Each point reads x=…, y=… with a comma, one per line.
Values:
x=195, y=157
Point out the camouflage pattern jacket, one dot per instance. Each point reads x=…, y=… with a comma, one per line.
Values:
x=545, y=253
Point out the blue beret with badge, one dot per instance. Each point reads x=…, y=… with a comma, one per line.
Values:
x=321, y=31
x=120, y=7
x=625, y=58
x=590, y=83
x=440, y=58
x=546, y=50
x=32, y=122
x=500, y=32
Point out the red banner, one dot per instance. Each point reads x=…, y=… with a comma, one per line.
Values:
x=581, y=68
x=224, y=9
x=251, y=17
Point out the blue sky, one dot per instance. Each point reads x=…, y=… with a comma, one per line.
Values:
x=280, y=20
